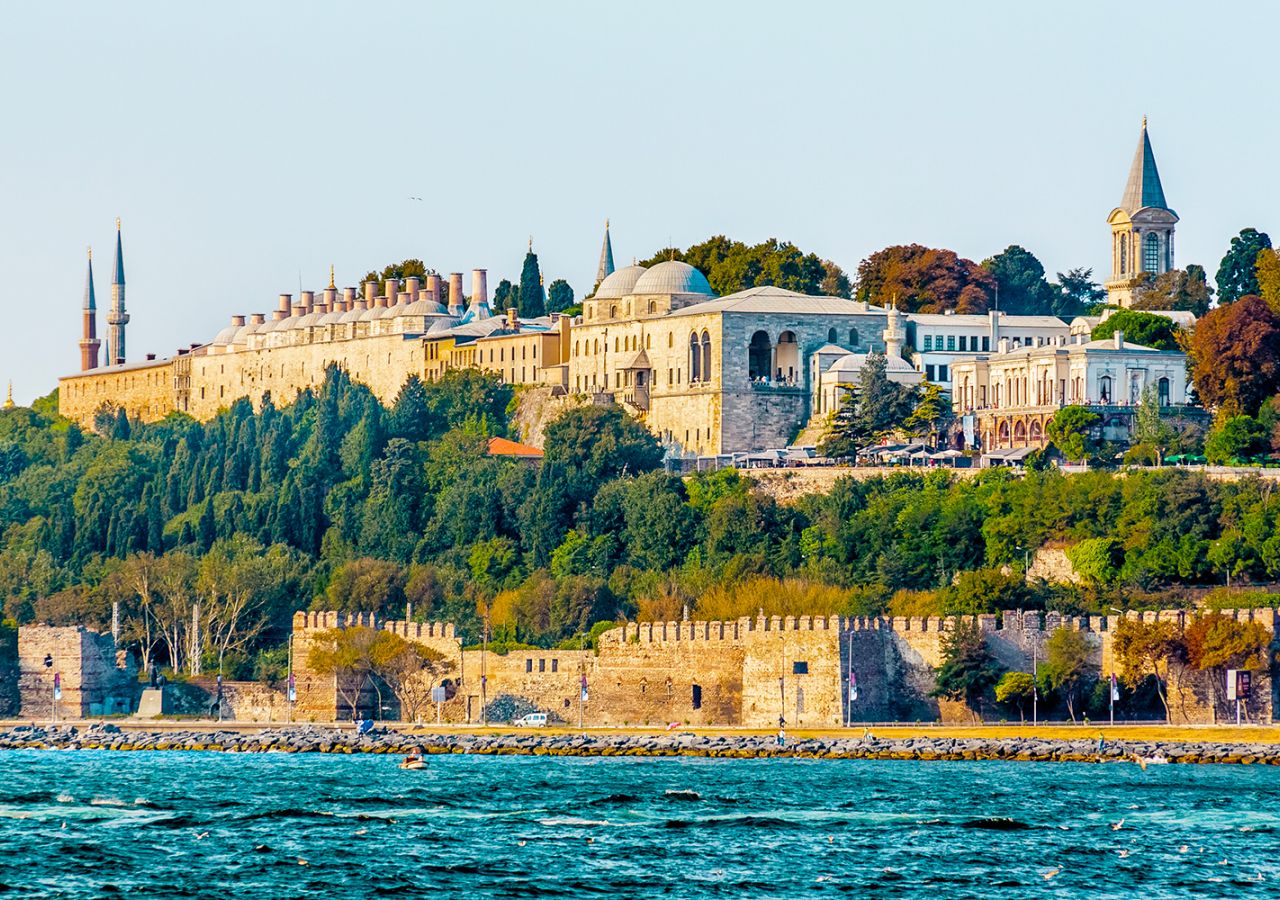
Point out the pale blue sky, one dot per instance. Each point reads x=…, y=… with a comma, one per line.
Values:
x=244, y=143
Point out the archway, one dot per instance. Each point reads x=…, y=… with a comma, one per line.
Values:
x=760, y=357
x=1035, y=433
x=1020, y=432
x=787, y=356
x=1003, y=434
x=1104, y=388
x=832, y=337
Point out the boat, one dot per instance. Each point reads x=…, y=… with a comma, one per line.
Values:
x=413, y=763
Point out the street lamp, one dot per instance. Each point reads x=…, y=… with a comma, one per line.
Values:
x=48, y=666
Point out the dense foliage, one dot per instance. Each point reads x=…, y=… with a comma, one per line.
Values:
x=339, y=502
x=1237, y=273
x=1147, y=329
x=732, y=266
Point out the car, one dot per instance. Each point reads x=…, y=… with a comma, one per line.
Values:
x=532, y=720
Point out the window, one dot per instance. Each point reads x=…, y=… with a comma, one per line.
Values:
x=929, y=372
x=1151, y=252
x=1124, y=254
x=695, y=359
x=542, y=665
x=706, y=356
x=1104, y=388
x=943, y=375
x=986, y=345
x=831, y=336
x=928, y=342
x=759, y=357
x=951, y=342
x=555, y=665
x=1163, y=391
x=528, y=665
x=964, y=342
x=853, y=337
x=697, y=696
x=613, y=311
x=653, y=307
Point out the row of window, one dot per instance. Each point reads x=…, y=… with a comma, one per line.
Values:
x=966, y=343
x=937, y=374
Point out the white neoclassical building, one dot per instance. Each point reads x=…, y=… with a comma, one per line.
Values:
x=1006, y=399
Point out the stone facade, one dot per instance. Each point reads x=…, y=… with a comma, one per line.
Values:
x=96, y=679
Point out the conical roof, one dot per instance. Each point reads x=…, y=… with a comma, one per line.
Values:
x=90, y=301
x=605, y=268
x=1143, y=188
x=118, y=278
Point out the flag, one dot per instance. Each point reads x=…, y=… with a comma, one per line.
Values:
x=57, y=686
x=853, y=686
x=584, y=687
x=293, y=689
x=1115, y=688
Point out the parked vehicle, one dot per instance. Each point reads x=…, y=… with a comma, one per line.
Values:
x=532, y=720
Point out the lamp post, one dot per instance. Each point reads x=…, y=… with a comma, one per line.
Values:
x=48, y=667
x=484, y=679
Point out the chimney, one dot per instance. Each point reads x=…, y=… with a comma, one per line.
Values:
x=299, y=310
x=150, y=357
x=513, y=321
x=405, y=297
x=413, y=284
x=286, y=300
x=349, y=299
x=479, y=287
x=331, y=299
x=393, y=288
x=433, y=287
x=455, y=294
x=370, y=294
x=309, y=301
x=237, y=321
x=1118, y=337
x=257, y=319
x=1003, y=345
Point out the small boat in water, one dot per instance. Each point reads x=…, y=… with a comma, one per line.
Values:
x=413, y=762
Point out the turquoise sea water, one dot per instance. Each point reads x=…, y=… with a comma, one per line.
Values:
x=102, y=824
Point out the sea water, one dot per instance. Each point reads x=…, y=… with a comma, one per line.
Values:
x=174, y=824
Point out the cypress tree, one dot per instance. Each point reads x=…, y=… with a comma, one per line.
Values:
x=533, y=300
x=155, y=525
x=207, y=531
x=120, y=431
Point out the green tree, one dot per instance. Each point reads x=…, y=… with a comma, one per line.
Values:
x=1076, y=293
x=1237, y=274
x=969, y=671
x=1020, y=278
x=876, y=407
x=1216, y=643
x=923, y=279
x=1139, y=327
x=1267, y=270
x=504, y=295
x=533, y=300
x=1143, y=649
x=1235, y=356
x=559, y=296
x=932, y=414
x=1070, y=431
x=409, y=268
x=1181, y=289
x=1066, y=665
x=1016, y=691
x=1152, y=435
x=732, y=266
x=1236, y=440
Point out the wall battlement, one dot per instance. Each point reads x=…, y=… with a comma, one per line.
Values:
x=328, y=619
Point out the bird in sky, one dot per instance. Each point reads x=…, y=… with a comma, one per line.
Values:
x=419, y=199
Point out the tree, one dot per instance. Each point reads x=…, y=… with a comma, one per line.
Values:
x=1181, y=289
x=968, y=669
x=559, y=296
x=345, y=655
x=1236, y=439
x=504, y=295
x=1147, y=329
x=238, y=584
x=409, y=268
x=1076, y=293
x=533, y=300
x=1268, y=273
x=1216, y=643
x=1237, y=274
x=1066, y=665
x=409, y=669
x=1235, y=355
x=1016, y=690
x=1143, y=649
x=874, y=408
x=932, y=414
x=1069, y=430
x=1152, y=435
x=922, y=279
x=731, y=266
x=1020, y=278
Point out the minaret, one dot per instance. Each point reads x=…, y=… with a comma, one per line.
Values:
x=117, y=318
x=605, y=268
x=1142, y=227
x=8, y=401
x=895, y=336
x=89, y=342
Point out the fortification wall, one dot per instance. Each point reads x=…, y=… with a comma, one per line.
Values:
x=96, y=680
x=144, y=390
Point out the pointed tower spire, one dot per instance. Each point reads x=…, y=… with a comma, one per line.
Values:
x=117, y=318
x=605, y=269
x=89, y=342
x=8, y=401
x=1143, y=189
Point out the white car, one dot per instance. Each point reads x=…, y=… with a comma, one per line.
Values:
x=532, y=720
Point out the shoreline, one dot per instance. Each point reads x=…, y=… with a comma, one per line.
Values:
x=333, y=740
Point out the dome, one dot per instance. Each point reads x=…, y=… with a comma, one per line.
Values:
x=672, y=277
x=352, y=315
x=330, y=318
x=424, y=308
x=619, y=283
x=226, y=335
x=243, y=332
x=368, y=315
x=307, y=321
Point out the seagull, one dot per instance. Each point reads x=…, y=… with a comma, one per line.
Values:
x=1118, y=825
x=1052, y=872
x=362, y=831
x=202, y=835
x=303, y=862
x=521, y=843
x=1124, y=854
x=419, y=199
x=831, y=839
x=1183, y=849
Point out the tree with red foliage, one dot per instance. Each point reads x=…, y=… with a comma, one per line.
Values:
x=925, y=279
x=1235, y=355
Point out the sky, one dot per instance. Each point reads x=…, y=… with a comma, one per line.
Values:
x=249, y=146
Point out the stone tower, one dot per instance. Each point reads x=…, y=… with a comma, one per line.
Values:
x=1141, y=227
x=117, y=318
x=89, y=343
x=605, y=269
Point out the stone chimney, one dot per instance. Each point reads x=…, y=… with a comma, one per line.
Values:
x=349, y=296
x=456, y=307
x=257, y=319
x=513, y=319
x=1003, y=345
x=412, y=285
x=370, y=294
x=308, y=299
x=393, y=288
x=479, y=287
x=433, y=288
x=237, y=321
x=1118, y=338
x=282, y=311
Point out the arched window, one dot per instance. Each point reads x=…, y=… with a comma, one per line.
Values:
x=1104, y=388
x=760, y=357
x=706, y=356
x=670, y=339
x=831, y=336
x=613, y=311
x=1124, y=254
x=1162, y=390
x=853, y=337
x=695, y=359
x=653, y=307
x=1151, y=253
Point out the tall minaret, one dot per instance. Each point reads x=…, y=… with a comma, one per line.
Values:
x=605, y=269
x=895, y=336
x=89, y=342
x=117, y=318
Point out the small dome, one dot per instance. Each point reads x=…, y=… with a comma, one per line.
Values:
x=368, y=315
x=673, y=277
x=440, y=325
x=243, y=332
x=620, y=282
x=352, y=315
x=226, y=335
x=330, y=318
x=307, y=321
x=424, y=308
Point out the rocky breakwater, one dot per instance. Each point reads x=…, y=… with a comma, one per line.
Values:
x=319, y=739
